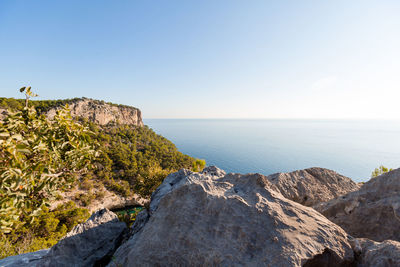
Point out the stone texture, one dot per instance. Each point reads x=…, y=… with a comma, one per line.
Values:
x=90, y=243
x=312, y=186
x=375, y=254
x=371, y=212
x=213, y=219
x=102, y=113
x=27, y=259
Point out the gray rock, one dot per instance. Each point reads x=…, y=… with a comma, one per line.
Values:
x=27, y=259
x=140, y=221
x=312, y=186
x=375, y=254
x=371, y=212
x=211, y=219
x=90, y=243
x=214, y=171
x=172, y=180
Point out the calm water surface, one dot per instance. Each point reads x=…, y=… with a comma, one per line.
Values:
x=351, y=147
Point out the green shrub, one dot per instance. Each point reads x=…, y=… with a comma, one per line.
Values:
x=381, y=170
x=45, y=231
x=198, y=165
x=86, y=198
x=38, y=157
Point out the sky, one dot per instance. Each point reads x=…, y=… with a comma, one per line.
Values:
x=208, y=59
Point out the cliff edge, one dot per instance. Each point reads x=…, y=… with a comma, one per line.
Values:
x=102, y=113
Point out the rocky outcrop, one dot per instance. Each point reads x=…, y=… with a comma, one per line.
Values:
x=102, y=113
x=371, y=212
x=375, y=254
x=213, y=219
x=90, y=243
x=27, y=259
x=312, y=186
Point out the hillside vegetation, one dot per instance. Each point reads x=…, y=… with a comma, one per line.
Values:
x=41, y=158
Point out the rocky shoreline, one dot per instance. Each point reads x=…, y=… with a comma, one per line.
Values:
x=313, y=217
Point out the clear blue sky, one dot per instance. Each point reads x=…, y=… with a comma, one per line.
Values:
x=208, y=59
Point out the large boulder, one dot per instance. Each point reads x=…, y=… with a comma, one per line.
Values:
x=375, y=254
x=90, y=243
x=312, y=186
x=213, y=219
x=371, y=212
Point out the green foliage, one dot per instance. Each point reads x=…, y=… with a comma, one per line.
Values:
x=48, y=228
x=381, y=170
x=37, y=158
x=11, y=103
x=198, y=165
x=133, y=159
x=136, y=159
x=128, y=216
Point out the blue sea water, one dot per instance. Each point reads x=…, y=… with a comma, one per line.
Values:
x=351, y=147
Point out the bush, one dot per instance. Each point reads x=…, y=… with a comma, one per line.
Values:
x=381, y=170
x=198, y=165
x=45, y=231
x=37, y=158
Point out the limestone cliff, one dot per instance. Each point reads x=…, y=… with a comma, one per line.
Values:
x=102, y=113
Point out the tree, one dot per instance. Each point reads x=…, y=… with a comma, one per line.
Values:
x=38, y=157
x=381, y=170
x=198, y=165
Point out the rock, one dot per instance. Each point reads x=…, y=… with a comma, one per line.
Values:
x=375, y=254
x=90, y=243
x=371, y=212
x=214, y=171
x=27, y=259
x=213, y=219
x=102, y=113
x=311, y=186
x=174, y=179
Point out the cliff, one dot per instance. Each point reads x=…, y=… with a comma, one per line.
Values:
x=96, y=111
x=102, y=113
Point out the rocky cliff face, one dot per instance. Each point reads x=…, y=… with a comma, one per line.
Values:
x=312, y=186
x=102, y=113
x=372, y=212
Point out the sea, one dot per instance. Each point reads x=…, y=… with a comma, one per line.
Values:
x=353, y=148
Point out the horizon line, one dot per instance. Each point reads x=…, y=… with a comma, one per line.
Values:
x=385, y=119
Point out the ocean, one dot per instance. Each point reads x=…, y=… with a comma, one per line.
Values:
x=350, y=147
